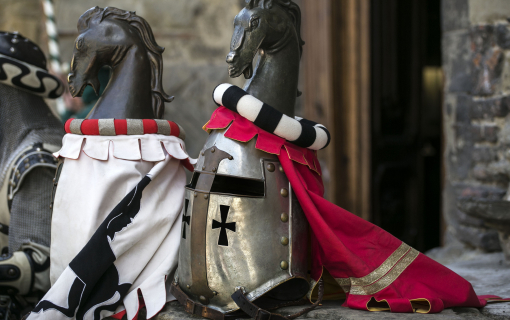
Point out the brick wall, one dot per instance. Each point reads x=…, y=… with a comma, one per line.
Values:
x=476, y=112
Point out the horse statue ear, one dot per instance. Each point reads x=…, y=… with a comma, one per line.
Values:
x=250, y=4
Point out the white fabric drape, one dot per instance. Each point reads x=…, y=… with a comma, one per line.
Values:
x=98, y=173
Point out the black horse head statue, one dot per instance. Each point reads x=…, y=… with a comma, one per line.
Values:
x=272, y=29
x=123, y=41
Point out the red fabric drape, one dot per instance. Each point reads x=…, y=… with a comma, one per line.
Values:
x=370, y=262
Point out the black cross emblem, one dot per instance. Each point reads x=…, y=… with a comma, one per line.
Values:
x=185, y=218
x=223, y=239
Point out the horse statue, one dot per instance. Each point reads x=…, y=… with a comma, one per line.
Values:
x=109, y=262
x=124, y=42
x=270, y=28
x=252, y=256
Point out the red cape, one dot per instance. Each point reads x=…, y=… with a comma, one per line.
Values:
x=367, y=262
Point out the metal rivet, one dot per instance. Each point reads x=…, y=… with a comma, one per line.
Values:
x=14, y=40
x=230, y=158
x=26, y=160
x=195, y=194
x=203, y=153
x=203, y=167
x=284, y=265
x=213, y=150
x=42, y=161
x=11, y=272
x=284, y=241
x=206, y=196
x=27, y=166
x=13, y=183
x=215, y=293
x=12, y=50
x=203, y=300
x=280, y=168
x=270, y=167
x=38, y=149
x=188, y=286
x=284, y=217
x=284, y=192
x=213, y=169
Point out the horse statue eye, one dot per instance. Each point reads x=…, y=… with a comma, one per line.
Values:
x=255, y=23
x=79, y=43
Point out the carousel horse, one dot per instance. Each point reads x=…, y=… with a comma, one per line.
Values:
x=124, y=42
x=115, y=224
x=270, y=28
x=256, y=233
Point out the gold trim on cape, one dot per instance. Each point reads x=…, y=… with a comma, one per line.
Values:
x=383, y=276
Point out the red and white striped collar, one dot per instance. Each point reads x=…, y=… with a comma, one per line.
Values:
x=114, y=127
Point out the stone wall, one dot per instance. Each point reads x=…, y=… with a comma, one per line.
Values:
x=476, y=113
x=24, y=16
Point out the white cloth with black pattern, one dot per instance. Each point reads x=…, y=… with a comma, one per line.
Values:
x=116, y=226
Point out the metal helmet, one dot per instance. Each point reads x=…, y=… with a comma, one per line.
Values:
x=242, y=227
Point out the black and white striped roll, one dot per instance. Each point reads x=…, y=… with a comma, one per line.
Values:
x=301, y=132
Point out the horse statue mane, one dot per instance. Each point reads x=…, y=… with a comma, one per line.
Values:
x=292, y=9
x=154, y=51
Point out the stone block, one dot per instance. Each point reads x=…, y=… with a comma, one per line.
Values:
x=487, y=11
x=457, y=64
x=463, y=108
x=485, y=192
x=458, y=166
x=484, y=133
x=504, y=240
x=484, y=154
x=487, y=59
x=503, y=35
x=481, y=238
x=466, y=220
x=454, y=15
x=496, y=172
x=489, y=108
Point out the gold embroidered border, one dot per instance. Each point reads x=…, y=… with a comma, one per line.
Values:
x=383, y=276
x=383, y=268
x=344, y=283
x=387, y=279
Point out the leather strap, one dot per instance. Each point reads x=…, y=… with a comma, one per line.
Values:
x=242, y=302
x=4, y=229
x=252, y=310
x=260, y=314
x=195, y=308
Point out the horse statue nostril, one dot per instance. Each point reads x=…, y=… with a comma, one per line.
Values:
x=231, y=57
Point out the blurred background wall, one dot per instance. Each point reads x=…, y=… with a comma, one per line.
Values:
x=476, y=119
x=413, y=92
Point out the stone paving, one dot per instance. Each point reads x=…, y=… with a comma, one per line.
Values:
x=488, y=273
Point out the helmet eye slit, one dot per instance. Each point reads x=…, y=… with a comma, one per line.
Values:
x=232, y=185
x=238, y=186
